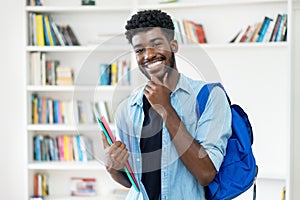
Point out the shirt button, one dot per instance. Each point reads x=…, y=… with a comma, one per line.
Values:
x=138, y=159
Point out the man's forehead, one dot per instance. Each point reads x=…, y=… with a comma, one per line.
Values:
x=147, y=36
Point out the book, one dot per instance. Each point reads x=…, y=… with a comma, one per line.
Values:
x=57, y=33
x=269, y=31
x=64, y=75
x=246, y=34
x=39, y=30
x=83, y=186
x=63, y=30
x=72, y=35
x=280, y=28
x=263, y=29
x=105, y=71
x=284, y=28
x=111, y=139
x=255, y=35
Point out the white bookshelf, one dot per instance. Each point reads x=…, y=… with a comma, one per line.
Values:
x=256, y=75
x=294, y=140
x=87, y=22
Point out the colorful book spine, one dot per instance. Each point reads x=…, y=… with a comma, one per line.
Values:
x=263, y=29
x=40, y=30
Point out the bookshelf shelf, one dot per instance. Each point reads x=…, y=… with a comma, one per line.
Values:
x=109, y=88
x=266, y=45
x=72, y=49
x=207, y=3
x=280, y=177
x=64, y=197
x=77, y=9
x=64, y=165
x=62, y=127
x=59, y=127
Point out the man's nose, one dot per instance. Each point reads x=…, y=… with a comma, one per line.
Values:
x=149, y=53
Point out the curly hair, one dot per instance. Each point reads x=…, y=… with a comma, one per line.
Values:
x=148, y=19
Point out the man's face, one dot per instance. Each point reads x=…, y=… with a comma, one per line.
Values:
x=154, y=53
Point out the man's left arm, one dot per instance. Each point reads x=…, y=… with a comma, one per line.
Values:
x=192, y=153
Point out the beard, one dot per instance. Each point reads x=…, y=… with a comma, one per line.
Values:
x=166, y=69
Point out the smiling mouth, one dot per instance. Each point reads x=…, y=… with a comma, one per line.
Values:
x=151, y=65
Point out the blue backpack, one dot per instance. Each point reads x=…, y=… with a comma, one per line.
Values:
x=238, y=170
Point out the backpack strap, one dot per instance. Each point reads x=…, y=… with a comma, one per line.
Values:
x=203, y=95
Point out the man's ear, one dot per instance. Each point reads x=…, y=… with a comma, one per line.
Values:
x=174, y=46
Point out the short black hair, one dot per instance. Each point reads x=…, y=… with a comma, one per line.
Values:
x=148, y=19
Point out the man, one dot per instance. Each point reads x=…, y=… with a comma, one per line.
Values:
x=173, y=153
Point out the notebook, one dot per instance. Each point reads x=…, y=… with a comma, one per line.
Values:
x=111, y=139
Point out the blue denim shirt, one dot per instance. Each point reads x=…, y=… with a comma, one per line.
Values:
x=212, y=131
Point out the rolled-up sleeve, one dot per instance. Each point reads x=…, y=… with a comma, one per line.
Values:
x=214, y=126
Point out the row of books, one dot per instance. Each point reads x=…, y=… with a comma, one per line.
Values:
x=189, y=32
x=88, y=111
x=43, y=31
x=52, y=111
x=114, y=73
x=62, y=148
x=49, y=72
x=268, y=30
x=40, y=186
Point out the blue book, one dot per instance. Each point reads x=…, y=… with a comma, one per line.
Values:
x=37, y=147
x=39, y=106
x=46, y=36
x=263, y=29
x=280, y=28
x=104, y=74
x=79, y=148
x=56, y=111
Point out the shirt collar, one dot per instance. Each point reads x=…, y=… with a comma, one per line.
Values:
x=183, y=84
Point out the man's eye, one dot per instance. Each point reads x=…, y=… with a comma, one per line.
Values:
x=139, y=51
x=156, y=44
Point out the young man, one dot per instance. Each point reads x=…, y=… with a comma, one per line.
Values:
x=172, y=152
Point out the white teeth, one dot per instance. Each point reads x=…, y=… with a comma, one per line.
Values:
x=154, y=64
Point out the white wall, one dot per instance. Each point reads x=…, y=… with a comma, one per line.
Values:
x=12, y=166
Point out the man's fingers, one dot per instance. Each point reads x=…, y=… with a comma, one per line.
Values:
x=104, y=140
x=116, y=149
x=165, y=80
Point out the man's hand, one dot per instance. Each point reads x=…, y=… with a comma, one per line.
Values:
x=116, y=155
x=158, y=94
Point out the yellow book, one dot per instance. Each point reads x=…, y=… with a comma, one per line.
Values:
x=66, y=147
x=39, y=30
x=48, y=28
x=44, y=185
x=114, y=73
x=35, y=111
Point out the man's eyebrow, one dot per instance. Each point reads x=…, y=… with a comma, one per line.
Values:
x=157, y=38
x=152, y=40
